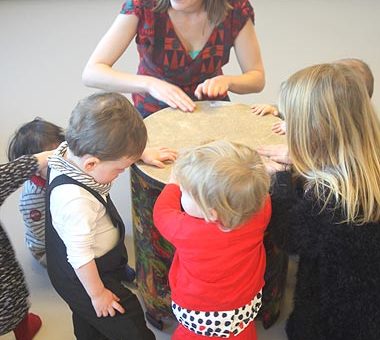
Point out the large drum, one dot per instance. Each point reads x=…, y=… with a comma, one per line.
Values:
x=176, y=129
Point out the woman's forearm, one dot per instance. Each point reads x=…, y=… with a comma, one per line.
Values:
x=249, y=82
x=104, y=77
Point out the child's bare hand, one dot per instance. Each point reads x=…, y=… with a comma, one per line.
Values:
x=273, y=166
x=279, y=128
x=263, y=109
x=157, y=156
x=276, y=152
x=42, y=159
x=106, y=303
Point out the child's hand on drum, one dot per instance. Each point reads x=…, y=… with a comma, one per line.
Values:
x=273, y=166
x=279, y=128
x=158, y=156
x=276, y=152
x=264, y=109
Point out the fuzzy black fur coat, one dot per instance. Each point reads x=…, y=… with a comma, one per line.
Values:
x=337, y=295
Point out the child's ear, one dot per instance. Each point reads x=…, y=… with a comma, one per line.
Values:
x=214, y=215
x=90, y=163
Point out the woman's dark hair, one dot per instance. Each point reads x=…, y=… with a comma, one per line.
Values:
x=216, y=9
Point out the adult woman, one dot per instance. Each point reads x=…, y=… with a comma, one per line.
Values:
x=182, y=47
x=333, y=220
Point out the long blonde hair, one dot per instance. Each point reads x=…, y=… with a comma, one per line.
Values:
x=216, y=9
x=227, y=177
x=334, y=139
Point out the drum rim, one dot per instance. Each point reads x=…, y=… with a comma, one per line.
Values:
x=152, y=181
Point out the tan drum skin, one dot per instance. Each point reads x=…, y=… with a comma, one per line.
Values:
x=210, y=121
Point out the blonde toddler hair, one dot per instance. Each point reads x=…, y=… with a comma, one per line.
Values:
x=227, y=177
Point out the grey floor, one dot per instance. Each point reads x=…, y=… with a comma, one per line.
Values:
x=44, y=45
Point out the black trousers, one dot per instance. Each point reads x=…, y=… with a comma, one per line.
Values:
x=128, y=326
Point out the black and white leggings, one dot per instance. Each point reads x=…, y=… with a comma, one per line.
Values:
x=218, y=323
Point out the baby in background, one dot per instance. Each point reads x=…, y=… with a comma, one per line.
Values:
x=217, y=273
x=358, y=65
x=34, y=137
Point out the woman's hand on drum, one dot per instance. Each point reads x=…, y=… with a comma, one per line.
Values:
x=213, y=88
x=170, y=94
x=158, y=156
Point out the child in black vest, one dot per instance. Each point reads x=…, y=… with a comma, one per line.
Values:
x=86, y=255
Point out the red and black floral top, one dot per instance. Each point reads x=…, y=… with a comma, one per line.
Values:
x=163, y=56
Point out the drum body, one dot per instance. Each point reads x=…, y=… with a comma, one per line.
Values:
x=177, y=130
x=153, y=253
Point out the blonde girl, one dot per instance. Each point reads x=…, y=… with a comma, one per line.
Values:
x=334, y=223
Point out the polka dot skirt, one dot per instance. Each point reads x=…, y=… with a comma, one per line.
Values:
x=219, y=324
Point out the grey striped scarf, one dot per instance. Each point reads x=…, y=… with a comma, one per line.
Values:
x=57, y=162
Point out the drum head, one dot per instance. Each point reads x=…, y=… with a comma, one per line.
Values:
x=210, y=121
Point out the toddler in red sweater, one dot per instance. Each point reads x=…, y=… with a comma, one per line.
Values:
x=218, y=268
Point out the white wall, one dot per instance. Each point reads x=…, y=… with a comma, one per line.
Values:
x=297, y=33
x=44, y=45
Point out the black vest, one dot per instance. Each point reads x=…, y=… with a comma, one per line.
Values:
x=111, y=266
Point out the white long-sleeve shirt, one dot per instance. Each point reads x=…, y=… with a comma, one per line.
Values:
x=81, y=222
